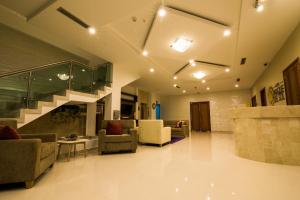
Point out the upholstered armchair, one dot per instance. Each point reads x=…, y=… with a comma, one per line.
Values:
x=127, y=141
x=25, y=159
x=154, y=132
x=182, y=131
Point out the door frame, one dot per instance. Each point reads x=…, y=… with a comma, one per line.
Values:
x=198, y=102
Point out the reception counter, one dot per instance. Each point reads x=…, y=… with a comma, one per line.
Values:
x=268, y=134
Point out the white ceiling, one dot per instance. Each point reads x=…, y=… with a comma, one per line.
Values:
x=257, y=36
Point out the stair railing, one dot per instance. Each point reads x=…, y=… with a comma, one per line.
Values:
x=24, y=88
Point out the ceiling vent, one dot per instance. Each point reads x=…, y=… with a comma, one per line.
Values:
x=72, y=17
x=243, y=61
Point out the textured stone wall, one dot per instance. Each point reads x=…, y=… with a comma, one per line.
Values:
x=221, y=105
x=267, y=135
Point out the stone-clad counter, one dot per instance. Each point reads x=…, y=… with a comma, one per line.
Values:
x=268, y=134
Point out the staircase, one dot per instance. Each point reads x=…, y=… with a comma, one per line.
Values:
x=47, y=89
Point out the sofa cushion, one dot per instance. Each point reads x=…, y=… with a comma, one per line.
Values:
x=47, y=149
x=8, y=133
x=118, y=138
x=114, y=128
x=176, y=129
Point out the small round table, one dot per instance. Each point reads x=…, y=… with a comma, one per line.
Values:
x=71, y=144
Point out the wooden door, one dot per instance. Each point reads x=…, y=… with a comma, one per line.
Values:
x=263, y=97
x=291, y=77
x=195, y=117
x=204, y=116
x=253, y=101
x=200, y=116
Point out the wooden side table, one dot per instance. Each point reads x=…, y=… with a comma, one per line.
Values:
x=71, y=145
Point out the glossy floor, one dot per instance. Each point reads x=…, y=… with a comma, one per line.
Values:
x=202, y=167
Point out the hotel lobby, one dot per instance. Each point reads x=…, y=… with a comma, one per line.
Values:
x=150, y=99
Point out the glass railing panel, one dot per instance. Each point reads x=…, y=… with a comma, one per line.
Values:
x=103, y=75
x=49, y=81
x=82, y=78
x=13, y=94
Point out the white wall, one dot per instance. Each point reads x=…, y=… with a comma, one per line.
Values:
x=274, y=73
x=121, y=77
x=221, y=104
x=19, y=51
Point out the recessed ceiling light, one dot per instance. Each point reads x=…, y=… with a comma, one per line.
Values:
x=227, y=32
x=260, y=8
x=162, y=12
x=145, y=53
x=92, y=30
x=203, y=81
x=199, y=75
x=227, y=70
x=181, y=44
x=83, y=70
x=152, y=70
x=236, y=85
x=193, y=64
x=175, y=85
x=208, y=88
x=175, y=77
x=183, y=91
x=50, y=79
x=191, y=61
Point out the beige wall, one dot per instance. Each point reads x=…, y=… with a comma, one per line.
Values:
x=273, y=74
x=221, y=105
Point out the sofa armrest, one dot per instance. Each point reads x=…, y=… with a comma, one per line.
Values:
x=185, y=129
x=166, y=134
x=48, y=137
x=19, y=160
x=134, y=134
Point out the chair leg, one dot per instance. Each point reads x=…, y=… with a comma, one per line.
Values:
x=29, y=184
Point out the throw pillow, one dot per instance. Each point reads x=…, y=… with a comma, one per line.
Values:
x=178, y=124
x=8, y=133
x=114, y=128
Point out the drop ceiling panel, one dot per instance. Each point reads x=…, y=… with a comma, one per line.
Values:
x=208, y=42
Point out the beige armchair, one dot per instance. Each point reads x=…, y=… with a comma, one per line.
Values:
x=24, y=160
x=116, y=143
x=153, y=132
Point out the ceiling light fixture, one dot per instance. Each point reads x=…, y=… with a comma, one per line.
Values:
x=63, y=77
x=259, y=6
x=145, y=53
x=162, y=12
x=92, y=30
x=183, y=91
x=192, y=62
x=227, y=70
x=152, y=70
x=175, y=85
x=208, y=88
x=199, y=75
x=203, y=81
x=175, y=77
x=236, y=85
x=227, y=33
x=181, y=44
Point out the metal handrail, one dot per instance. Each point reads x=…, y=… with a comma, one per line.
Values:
x=42, y=67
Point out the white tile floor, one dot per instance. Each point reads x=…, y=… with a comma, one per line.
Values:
x=202, y=167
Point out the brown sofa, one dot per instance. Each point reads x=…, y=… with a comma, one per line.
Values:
x=24, y=160
x=178, y=132
x=115, y=143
